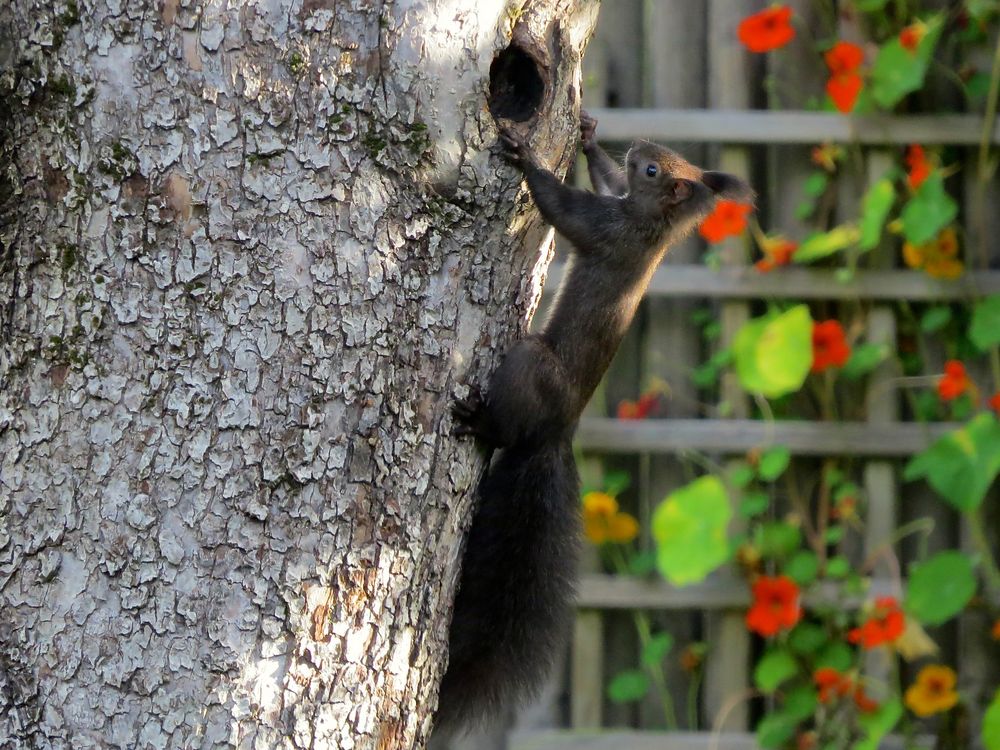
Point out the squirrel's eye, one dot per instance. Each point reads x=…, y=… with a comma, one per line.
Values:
x=651, y=170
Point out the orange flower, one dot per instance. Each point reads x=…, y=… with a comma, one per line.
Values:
x=827, y=156
x=640, y=409
x=865, y=704
x=727, y=220
x=767, y=30
x=884, y=626
x=844, y=90
x=995, y=631
x=830, y=348
x=919, y=168
x=843, y=61
x=778, y=251
x=844, y=58
x=775, y=605
x=995, y=406
x=954, y=382
x=831, y=684
x=933, y=692
x=937, y=257
x=910, y=37
x=603, y=522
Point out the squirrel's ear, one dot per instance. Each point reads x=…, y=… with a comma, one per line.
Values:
x=678, y=191
x=729, y=187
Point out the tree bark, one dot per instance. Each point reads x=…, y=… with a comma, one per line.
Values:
x=250, y=252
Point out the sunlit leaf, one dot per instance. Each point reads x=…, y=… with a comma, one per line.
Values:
x=773, y=354
x=898, y=71
x=824, y=244
x=875, y=207
x=773, y=463
x=689, y=528
x=879, y=723
x=991, y=724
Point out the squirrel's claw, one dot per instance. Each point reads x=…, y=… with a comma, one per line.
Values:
x=514, y=147
x=588, y=125
x=467, y=413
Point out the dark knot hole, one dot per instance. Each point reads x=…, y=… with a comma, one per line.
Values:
x=516, y=85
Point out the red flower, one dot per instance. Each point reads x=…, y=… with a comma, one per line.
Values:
x=910, y=37
x=954, y=382
x=830, y=348
x=885, y=625
x=843, y=61
x=831, y=684
x=775, y=605
x=777, y=252
x=727, y=220
x=640, y=409
x=767, y=30
x=844, y=58
x=919, y=168
x=865, y=704
x=995, y=403
x=844, y=90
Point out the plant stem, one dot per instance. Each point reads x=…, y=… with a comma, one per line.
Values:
x=990, y=569
x=989, y=120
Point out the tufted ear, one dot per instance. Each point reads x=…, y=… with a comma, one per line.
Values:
x=728, y=186
x=678, y=191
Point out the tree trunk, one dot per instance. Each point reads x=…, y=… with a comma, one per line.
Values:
x=250, y=252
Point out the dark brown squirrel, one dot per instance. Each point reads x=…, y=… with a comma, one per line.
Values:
x=514, y=601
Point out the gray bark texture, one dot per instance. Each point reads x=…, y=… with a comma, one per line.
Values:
x=249, y=252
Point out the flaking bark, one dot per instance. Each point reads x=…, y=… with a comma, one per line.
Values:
x=249, y=253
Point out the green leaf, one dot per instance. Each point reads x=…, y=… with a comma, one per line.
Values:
x=878, y=724
x=777, y=539
x=837, y=655
x=773, y=354
x=689, y=528
x=962, y=465
x=628, y=686
x=985, y=328
x=803, y=567
x=991, y=724
x=838, y=567
x=875, y=207
x=774, y=462
x=656, y=650
x=807, y=638
x=774, y=668
x=898, y=71
x=824, y=244
x=870, y=6
x=741, y=474
x=616, y=482
x=775, y=730
x=642, y=563
x=935, y=318
x=939, y=588
x=815, y=184
x=753, y=504
x=978, y=85
x=927, y=212
x=800, y=702
x=864, y=359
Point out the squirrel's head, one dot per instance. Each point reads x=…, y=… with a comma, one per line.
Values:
x=660, y=177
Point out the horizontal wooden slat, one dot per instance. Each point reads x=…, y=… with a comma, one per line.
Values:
x=806, y=283
x=758, y=126
x=627, y=740
x=740, y=435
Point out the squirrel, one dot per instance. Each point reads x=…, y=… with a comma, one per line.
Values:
x=515, y=597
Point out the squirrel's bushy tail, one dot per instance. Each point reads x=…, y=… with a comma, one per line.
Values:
x=514, y=604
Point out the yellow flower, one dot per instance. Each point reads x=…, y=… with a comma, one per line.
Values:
x=937, y=257
x=602, y=522
x=933, y=692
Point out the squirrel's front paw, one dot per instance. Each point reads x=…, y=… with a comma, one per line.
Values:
x=469, y=413
x=588, y=126
x=515, y=148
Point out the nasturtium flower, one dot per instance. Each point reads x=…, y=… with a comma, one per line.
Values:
x=918, y=167
x=603, y=522
x=937, y=257
x=640, y=409
x=727, y=220
x=778, y=251
x=995, y=631
x=767, y=30
x=843, y=61
x=830, y=347
x=827, y=156
x=865, y=703
x=831, y=684
x=995, y=406
x=884, y=625
x=909, y=38
x=933, y=692
x=954, y=382
x=775, y=605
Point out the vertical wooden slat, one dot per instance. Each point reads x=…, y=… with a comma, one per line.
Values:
x=587, y=671
x=730, y=83
x=674, y=41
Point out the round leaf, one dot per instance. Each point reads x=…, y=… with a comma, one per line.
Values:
x=689, y=528
x=985, y=328
x=628, y=686
x=774, y=668
x=773, y=463
x=940, y=587
x=656, y=650
x=991, y=724
x=773, y=354
x=929, y=211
